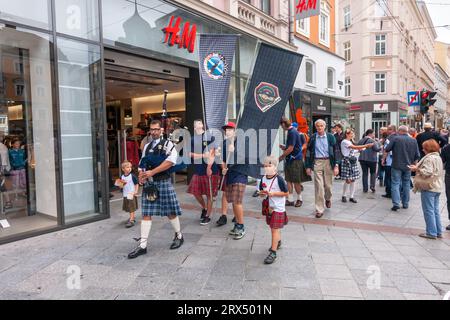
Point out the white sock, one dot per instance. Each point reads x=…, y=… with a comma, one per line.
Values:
x=176, y=226
x=291, y=197
x=146, y=225
x=299, y=197
x=352, y=190
x=344, y=192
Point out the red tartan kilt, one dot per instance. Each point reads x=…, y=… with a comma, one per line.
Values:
x=199, y=185
x=277, y=220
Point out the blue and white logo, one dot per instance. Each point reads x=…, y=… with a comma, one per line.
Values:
x=215, y=66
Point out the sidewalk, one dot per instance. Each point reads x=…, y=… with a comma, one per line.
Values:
x=336, y=257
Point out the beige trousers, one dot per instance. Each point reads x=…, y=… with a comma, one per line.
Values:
x=323, y=180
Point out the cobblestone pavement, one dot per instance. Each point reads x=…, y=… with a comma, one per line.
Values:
x=357, y=251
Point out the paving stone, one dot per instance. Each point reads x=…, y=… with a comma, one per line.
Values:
x=362, y=277
x=329, y=271
x=134, y=297
x=258, y=290
x=300, y=294
x=93, y=293
x=436, y=275
x=425, y=262
x=150, y=286
x=355, y=252
x=340, y=288
x=360, y=263
x=327, y=258
x=413, y=285
x=388, y=256
x=414, y=296
x=383, y=293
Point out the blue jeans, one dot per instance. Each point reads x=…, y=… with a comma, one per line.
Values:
x=401, y=180
x=430, y=207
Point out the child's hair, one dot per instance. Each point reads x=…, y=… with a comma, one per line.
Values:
x=126, y=163
x=271, y=160
x=15, y=140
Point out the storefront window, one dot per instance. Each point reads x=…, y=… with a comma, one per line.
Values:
x=36, y=13
x=78, y=18
x=80, y=94
x=28, y=193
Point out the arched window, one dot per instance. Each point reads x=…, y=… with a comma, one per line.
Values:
x=310, y=73
x=330, y=78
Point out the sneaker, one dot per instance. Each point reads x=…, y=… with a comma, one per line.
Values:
x=222, y=220
x=137, y=252
x=344, y=199
x=427, y=236
x=240, y=233
x=255, y=194
x=388, y=196
x=205, y=221
x=271, y=257
x=353, y=200
x=204, y=213
x=177, y=242
x=395, y=208
x=405, y=207
x=130, y=223
x=233, y=231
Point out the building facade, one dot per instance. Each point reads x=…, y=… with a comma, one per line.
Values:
x=389, y=50
x=319, y=89
x=442, y=59
x=80, y=79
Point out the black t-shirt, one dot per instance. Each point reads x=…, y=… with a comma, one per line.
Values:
x=201, y=143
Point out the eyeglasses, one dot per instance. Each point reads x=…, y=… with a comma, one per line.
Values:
x=155, y=129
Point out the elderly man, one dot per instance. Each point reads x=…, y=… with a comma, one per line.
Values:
x=404, y=153
x=321, y=157
x=428, y=134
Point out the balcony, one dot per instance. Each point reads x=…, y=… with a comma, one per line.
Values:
x=257, y=18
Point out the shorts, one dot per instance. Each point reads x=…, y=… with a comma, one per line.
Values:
x=130, y=205
x=235, y=193
x=277, y=220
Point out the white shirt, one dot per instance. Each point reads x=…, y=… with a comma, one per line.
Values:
x=171, y=151
x=130, y=184
x=345, y=147
x=278, y=204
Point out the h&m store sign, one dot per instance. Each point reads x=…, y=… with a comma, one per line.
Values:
x=184, y=36
x=306, y=8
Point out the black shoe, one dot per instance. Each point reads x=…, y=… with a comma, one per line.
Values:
x=353, y=200
x=365, y=191
x=255, y=194
x=372, y=189
x=203, y=215
x=448, y=228
x=289, y=203
x=405, y=207
x=222, y=221
x=177, y=242
x=388, y=196
x=395, y=208
x=137, y=252
x=344, y=199
x=205, y=221
x=271, y=257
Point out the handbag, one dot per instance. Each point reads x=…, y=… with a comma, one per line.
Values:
x=265, y=203
x=352, y=158
x=422, y=183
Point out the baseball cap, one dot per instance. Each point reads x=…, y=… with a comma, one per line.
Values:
x=229, y=125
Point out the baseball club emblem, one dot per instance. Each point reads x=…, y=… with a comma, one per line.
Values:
x=266, y=96
x=215, y=65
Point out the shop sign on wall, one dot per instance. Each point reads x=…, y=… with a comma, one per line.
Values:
x=306, y=8
x=183, y=37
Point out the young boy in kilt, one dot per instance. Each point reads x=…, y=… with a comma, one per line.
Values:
x=159, y=157
x=235, y=182
x=206, y=171
x=275, y=190
x=130, y=188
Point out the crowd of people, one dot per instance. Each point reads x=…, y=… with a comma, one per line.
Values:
x=402, y=159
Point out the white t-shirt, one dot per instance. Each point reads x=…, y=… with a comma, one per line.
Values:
x=345, y=147
x=278, y=204
x=131, y=182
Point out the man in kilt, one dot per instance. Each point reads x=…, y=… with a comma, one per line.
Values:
x=158, y=196
x=294, y=168
x=349, y=165
x=206, y=170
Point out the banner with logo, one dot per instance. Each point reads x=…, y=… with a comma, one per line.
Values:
x=266, y=99
x=216, y=53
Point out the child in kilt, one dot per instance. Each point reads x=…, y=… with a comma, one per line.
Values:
x=129, y=184
x=274, y=189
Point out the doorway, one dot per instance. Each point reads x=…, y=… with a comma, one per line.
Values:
x=134, y=97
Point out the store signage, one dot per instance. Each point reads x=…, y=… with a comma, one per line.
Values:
x=352, y=108
x=321, y=106
x=380, y=107
x=306, y=8
x=184, y=38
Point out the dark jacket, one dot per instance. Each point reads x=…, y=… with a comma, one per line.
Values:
x=332, y=151
x=370, y=154
x=445, y=155
x=427, y=135
x=404, y=151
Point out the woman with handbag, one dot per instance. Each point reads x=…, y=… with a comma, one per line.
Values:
x=428, y=180
x=349, y=165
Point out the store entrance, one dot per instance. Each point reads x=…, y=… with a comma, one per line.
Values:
x=134, y=97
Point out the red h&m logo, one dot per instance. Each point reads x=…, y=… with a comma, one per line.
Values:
x=305, y=5
x=184, y=39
